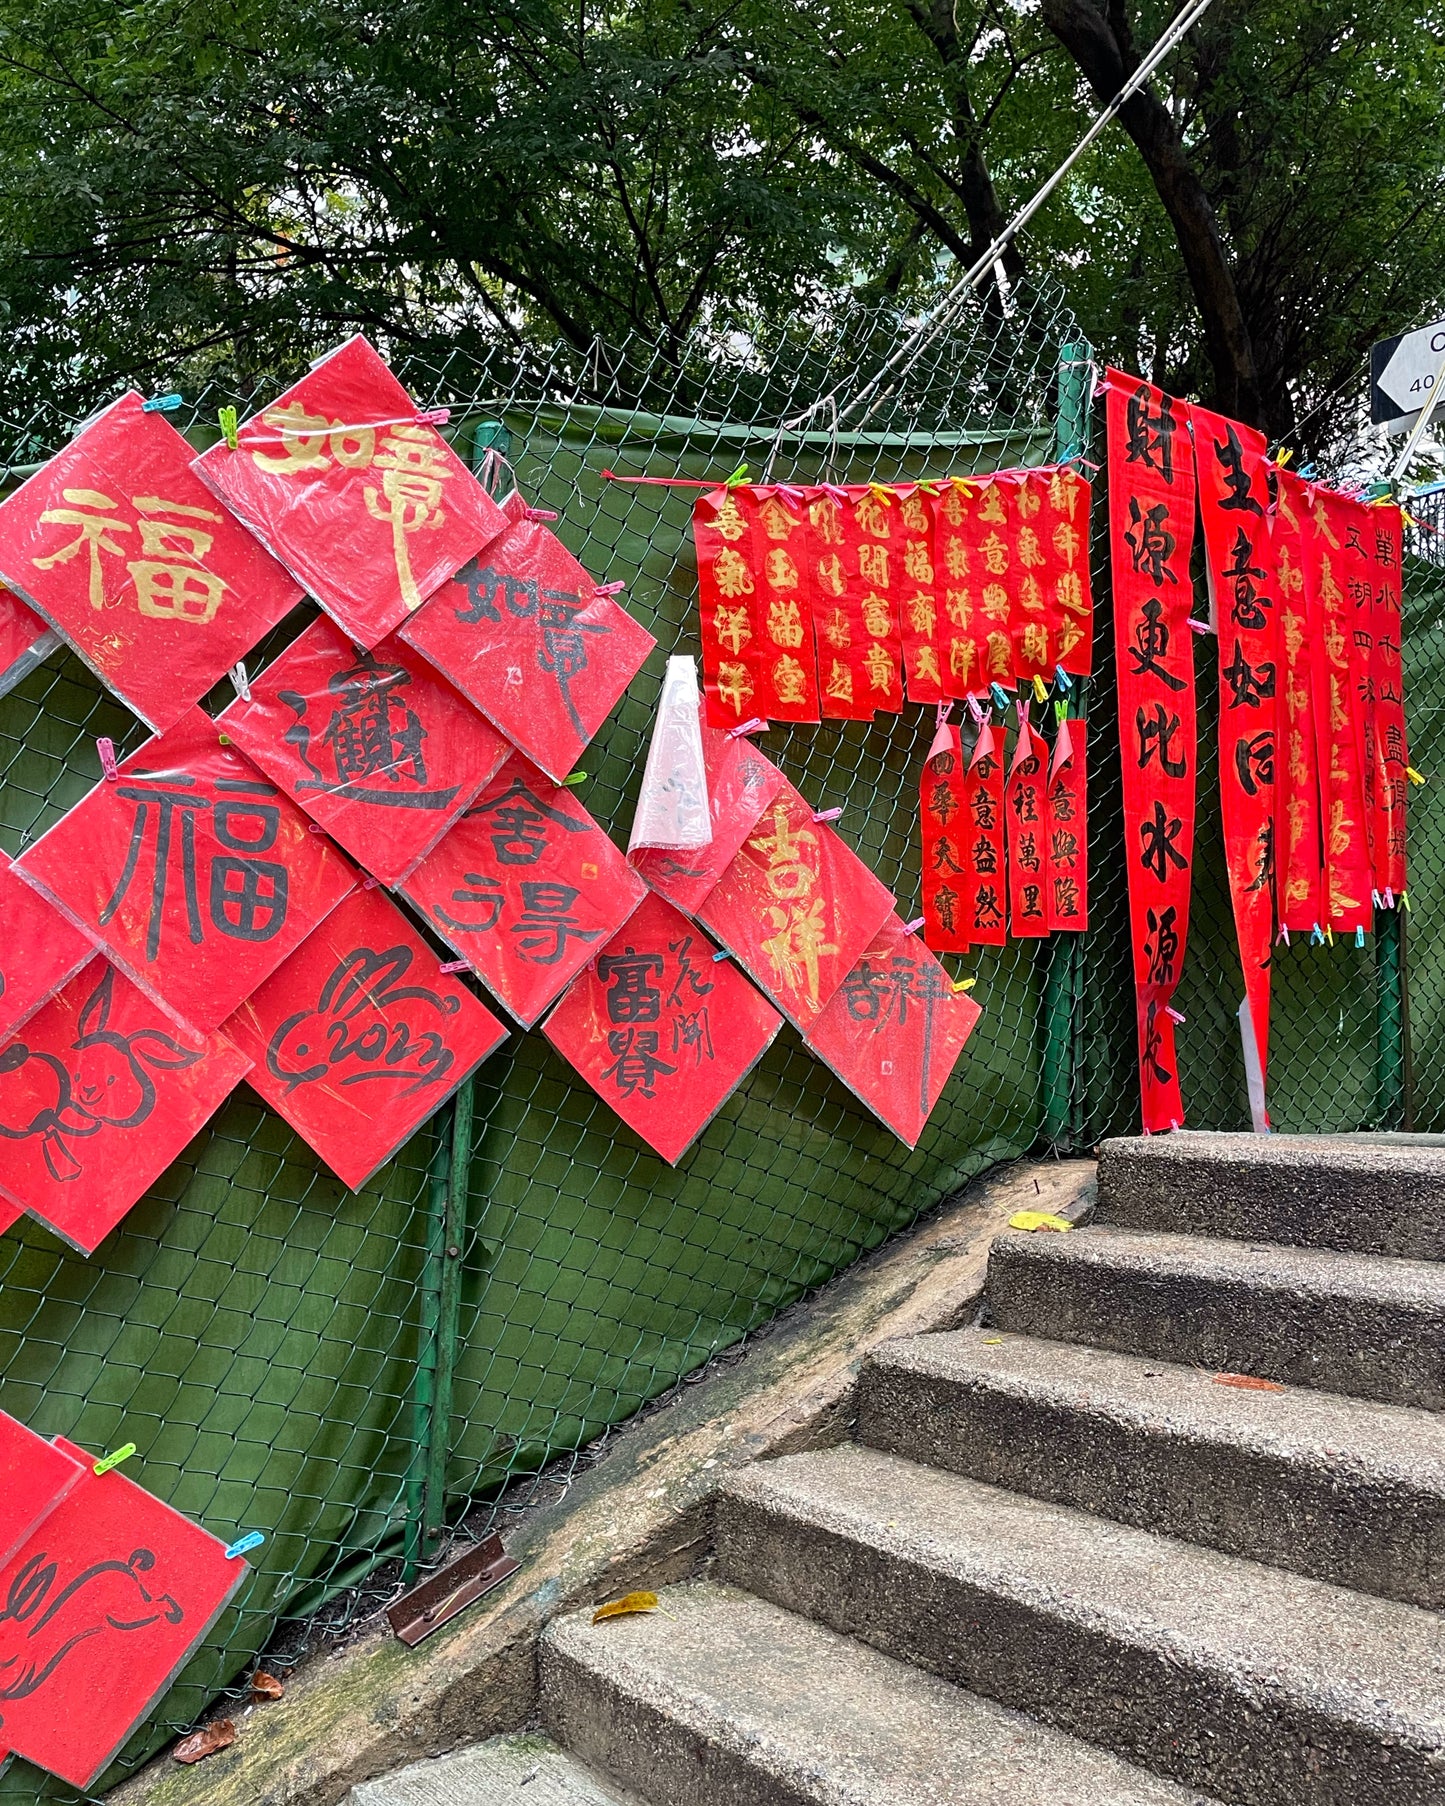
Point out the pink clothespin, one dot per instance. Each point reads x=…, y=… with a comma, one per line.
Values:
x=106, y=749
x=1283, y=935
x=433, y=416
x=453, y=965
x=609, y=589
x=1199, y=626
x=1173, y=1016
x=756, y=726
x=914, y=926
x=540, y=513
x=827, y=814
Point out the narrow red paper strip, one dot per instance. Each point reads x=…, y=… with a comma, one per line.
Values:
x=1068, y=824
x=1027, y=834
x=944, y=817
x=981, y=841
x=1298, y=842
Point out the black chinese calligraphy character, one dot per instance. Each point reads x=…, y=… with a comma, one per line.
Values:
x=1149, y=437
x=1066, y=896
x=1249, y=608
x=945, y=904
x=985, y=815
x=1026, y=852
x=1254, y=761
x=1031, y=897
x=547, y=923
x=1154, y=1043
x=987, y=911
x=943, y=856
x=985, y=855
x=637, y=1063
x=1229, y=454
x=630, y=997
x=866, y=991
x=1249, y=685
x=1161, y=945
x=1158, y=834
x=942, y=801
x=1151, y=544
x=1151, y=643
x=1263, y=878
x=687, y=973
x=692, y=1029
x=518, y=824
x=476, y=891
x=1063, y=847
x=486, y=587
x=1156, y=733
x=374, y=739
x=1026, y=800
x=367, y=1027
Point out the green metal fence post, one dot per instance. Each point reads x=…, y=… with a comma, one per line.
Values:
x=1063, y=974
x=429, y=1317
x=1389, y=1018
x=453, y=1217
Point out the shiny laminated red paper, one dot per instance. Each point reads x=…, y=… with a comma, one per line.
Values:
x=740, y=785
x=193, y=872
x=662, y=1032
x=1033, y=607
x=1236, y=494
x=796, y=908
x=1298, y=842
x=375, y=746
x=530, y=638
x=34, y=1477
x=978, y=845
x=1151, y=530
x=918, y=597
x=846, y=691
x=25, y=640
x=103, y=1604
x=755, y=594
x=962, y=633
x=1068, y=829
x=943, y=818
x=39, y=951
x=894, y=1030
x=525, y=888
x=1388, y=750
x=363, y=501
x=1329, y=573
x=1064, y=529
x=871, y=562
x=117, y=543
x=361, y=1036
x=98, y=1095
x=1026, y=834
x=994, y=524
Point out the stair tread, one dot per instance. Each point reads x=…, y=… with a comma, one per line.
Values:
x=1417, y=1285
x=1275, y=1632
x=527, y=1769
x=1397, y=1442
x=835, y=1721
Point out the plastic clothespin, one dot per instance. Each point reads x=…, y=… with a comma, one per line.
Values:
x=107, y=1462
x=740, y=475
x=1389, y=898
x=1062, y=678
x=253, y=1539
x=541, y=513
x=106, y=748
x=827, y=814
x=1329, y=936
x=883, y=493
x=1174, y=1122
x=756, y=726
x=614, y=588
x=1405, y=899
x=573, y=779
x=1359, y=937
x=453, y=965
x=369, y=883
x=1317, y=936
x=1283, y=935
x=227, y=421
x=718, y=957
x=1061, y=712
x=1199, y=626
x=433, y=416
x=1375, y=899
x=1172, y=1014
x=963, y=984
x=1307, y=471
x=1000, y=696
x=240, y=680
x=161, y=404
x=914, y=926
x=1413, y=775
x=975, y=712
x=1041, y=693
x=1283, y=456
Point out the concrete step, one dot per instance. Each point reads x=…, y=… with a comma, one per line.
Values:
x=1373, y=1194
x=1360, y=1324
x=524, y=1770
x=1255, y=1685
x=719, y=1699
x=1348, y=1492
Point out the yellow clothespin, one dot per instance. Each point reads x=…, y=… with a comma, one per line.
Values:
x=1040, y=693
x=963, y=984
x=1413, y=775
x=1283, y=456
x=227, y=419
x=883, y=493
x=962, y=485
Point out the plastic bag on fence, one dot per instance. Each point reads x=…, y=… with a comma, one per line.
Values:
x=672, y=811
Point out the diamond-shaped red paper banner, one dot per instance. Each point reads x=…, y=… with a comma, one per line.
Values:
x=195, y=874
x=39, y=951
x=361, y=1036
x=123, y=549
x=660, y=1030
x=360, y=498
x=34, y=1477
x=740, y=785
x=525, y=634
x=525, y=888
x=374, y=745
x=98, y=1095
x=894, y=1030
x=24, y=640
x=102, y=1605
x=796, y=907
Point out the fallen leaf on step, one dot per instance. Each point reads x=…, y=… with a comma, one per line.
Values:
x=219, y=1735
x=626, y=1606
x=1038, y=1219
x=1247, y=1382
x=265, y=1686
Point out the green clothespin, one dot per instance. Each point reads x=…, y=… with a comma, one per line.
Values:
x=107, y=1462
x=740, y=475
x=227, y=418
x=577, y=777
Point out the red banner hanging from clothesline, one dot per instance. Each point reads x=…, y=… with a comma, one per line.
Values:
x=1151, y=529
x=941, y=813
x=1026, y=834
x=1297, y=833
x=1389, y=751
x=1068, y=828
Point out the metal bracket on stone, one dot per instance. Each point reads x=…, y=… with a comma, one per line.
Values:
x=439, y=1599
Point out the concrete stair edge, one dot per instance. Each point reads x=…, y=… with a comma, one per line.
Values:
x=523, y=1769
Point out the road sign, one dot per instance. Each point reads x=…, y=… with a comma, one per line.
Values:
x=1403, y=371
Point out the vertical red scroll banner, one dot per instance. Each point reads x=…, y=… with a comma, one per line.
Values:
x=873, y=558
x=1342, y=792
x=1297, y=843
x=944, y=817
x=1068, y=825
x=981, y=842
x=994, y=523
x=756, y=604
x=962, y=641
x=1151, y=529
x=843, y=683
x=1070, y=499
x=1026, y=811
x=1389, y=750
x=918, y=598
x=1235, y=498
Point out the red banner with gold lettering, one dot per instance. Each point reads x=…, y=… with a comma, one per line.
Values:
x=873, y=558
x=1298, y=844
x=1389, y=750
x=962, y=635
x=918, y=598
x=1151, y=530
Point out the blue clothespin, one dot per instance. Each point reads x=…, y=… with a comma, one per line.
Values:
x=1359, y=937
x=1062, y=678
x=1307, y=471
x=1317, y=936
x=253, y=1539
x=161, y=404
x=1000, y=696
x=721, y=956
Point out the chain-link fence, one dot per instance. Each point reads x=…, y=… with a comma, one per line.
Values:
x=294, y=1358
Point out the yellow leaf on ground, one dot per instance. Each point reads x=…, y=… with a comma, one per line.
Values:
x=626, y=1606
x=1038, y=1219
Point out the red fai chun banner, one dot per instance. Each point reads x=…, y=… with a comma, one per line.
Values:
x=525, y=888
x=918, y=597
x=128, y=554
x=39, y=951
x=105, y=1601
x=1236, y=495
x=1388, y=752
x=1066, y=536
x=373, y=745
x=796, y=908
x=99, y=1095
x=25, y=640
x=34, y=1477
x=361, y=1036
x=527, y=636
x=1298, y=837
x=360, y=497
x=1331, y=567
x=1068, y=829
x=978, y=845
x=873, y=557
x=740, y=785
x=1034, y=608
x=756, y=587
x=195, y=874
x=1026, y=834
x=941, y=812
x=660, y=1031
x=848, y=688
x=894, y=1030
x=963, y=641
x=1151, y=530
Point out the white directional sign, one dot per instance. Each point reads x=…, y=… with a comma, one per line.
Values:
x=1403, y=372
